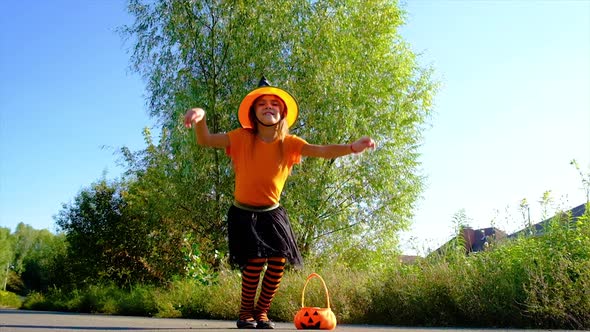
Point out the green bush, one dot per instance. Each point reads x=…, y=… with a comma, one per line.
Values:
x=9, y=300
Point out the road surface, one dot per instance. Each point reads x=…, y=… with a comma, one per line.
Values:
x=43, y=321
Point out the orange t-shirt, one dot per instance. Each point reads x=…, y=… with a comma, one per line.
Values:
x=260, y=175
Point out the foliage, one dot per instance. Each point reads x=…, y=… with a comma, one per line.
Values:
x=195, y=267
x=100, y=298
x=559, y=285
x=6, y=256
x=43, y=265
x=136, y=230
x=104, y=242
x=351, y=72
x=160, y=196
x=30, y=259
x=528, y=282
x=9, y=300
x=584, y=177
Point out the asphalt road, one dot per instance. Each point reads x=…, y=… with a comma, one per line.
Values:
x=42, y=321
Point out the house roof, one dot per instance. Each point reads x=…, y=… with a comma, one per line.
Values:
x=476, y=239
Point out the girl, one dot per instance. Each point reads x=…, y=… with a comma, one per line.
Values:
x=262, y=154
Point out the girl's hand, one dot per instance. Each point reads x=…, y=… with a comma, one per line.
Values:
x=362, y=144
x=193, y=115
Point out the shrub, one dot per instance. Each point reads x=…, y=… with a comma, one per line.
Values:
x=9, y=300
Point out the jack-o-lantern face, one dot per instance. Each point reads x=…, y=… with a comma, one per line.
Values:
x=314, y=318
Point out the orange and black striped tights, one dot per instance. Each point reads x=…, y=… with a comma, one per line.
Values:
x=270, y=285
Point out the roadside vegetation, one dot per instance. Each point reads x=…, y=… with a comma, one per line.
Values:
x=528, y=282
x=9, y=300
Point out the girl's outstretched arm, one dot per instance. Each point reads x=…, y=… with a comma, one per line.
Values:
x=195, y=117
x=332, y=151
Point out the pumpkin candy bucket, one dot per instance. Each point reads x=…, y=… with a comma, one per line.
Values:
x=315, y=318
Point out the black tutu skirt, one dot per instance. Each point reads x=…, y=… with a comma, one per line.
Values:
x=261, y=235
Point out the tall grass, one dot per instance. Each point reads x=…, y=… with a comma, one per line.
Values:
x=527, y=282
x=534, y=282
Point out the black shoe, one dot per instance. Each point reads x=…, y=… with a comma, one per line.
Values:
x=246, y=324
x=265, y=324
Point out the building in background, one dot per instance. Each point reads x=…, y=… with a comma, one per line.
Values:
x=475, y=240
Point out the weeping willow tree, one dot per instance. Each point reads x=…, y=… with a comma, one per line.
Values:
x=352, y=75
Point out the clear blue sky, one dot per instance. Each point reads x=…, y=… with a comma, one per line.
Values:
x=513, y=109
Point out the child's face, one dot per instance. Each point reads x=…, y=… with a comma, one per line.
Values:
x=269, y=109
